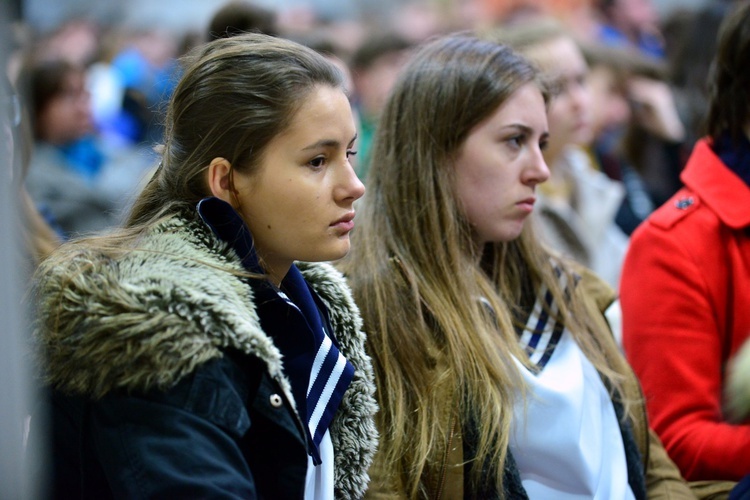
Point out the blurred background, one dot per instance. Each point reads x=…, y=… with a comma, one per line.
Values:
x=84, y=85
x=182, y=14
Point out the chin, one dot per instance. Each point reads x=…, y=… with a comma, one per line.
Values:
x=507, y=236
x=340, y=255
x=329, y=255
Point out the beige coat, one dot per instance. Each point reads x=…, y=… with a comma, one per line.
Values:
x=445, y=480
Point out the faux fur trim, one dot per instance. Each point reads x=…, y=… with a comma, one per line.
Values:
x=146, y=320
x=354, y=419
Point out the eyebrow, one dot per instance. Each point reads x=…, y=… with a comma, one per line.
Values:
x=327, y=143
x=525, y=129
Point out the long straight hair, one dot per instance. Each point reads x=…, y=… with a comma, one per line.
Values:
x=424, y=285
x=729, y=80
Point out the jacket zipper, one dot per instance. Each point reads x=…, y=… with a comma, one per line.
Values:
x=444, y=469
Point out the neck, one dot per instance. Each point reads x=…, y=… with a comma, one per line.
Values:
x=276, y=273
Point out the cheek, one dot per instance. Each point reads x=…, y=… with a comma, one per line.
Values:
x=559, y=115
x=481, y=198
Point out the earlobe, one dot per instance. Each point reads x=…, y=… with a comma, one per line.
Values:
x=219, y=179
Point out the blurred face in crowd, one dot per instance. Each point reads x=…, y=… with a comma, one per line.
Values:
x=609, y=103
x=67, y=116
x=634, y=14
x=570, y=110
x=374, y=83
x=500, y=164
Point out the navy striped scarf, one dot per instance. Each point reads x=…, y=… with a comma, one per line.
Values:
x=297, y=320
x=538, y=330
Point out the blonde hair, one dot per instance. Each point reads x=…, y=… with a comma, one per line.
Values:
x=421, y=281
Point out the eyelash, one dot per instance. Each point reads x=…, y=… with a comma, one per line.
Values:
x=516, y=141
x=318, y=159
x=321, y=160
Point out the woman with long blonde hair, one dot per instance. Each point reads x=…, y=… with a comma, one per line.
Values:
x=470, y=321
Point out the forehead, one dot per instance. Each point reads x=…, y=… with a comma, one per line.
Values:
x=524, y=107
x=324, y=110
x=557, y=56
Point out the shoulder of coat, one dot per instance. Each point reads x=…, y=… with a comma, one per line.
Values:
x=676, y=209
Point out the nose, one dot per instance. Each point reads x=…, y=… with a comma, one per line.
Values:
x=349, y=188
x=536, y=171
x=579, y=96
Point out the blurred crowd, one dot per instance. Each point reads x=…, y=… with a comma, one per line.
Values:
x=629, y=106
x=83, y=105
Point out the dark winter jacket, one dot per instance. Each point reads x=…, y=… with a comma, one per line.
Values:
x=164, y=385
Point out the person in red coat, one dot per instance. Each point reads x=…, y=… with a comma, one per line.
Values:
x=685, y=288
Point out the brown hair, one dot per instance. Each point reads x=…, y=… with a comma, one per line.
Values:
x=236, y=94
x=438, y=308
x=729, y=79
x=414, y=264
x=41, y=81
x=237, y=17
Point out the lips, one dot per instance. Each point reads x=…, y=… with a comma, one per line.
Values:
x=527, y=204
x=345, y=223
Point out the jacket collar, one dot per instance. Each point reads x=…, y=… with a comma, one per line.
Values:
x=720, y=188
x=293, y=316
x=146, y=319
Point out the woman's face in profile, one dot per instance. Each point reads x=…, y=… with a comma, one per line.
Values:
x=570, y=109
x=500, y=164
x=299, y=205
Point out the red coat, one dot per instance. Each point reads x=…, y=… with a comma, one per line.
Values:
x=685, y=294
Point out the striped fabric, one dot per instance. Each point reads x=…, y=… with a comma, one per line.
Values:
x=297, y=321
x=541, y=332
x=329, y=378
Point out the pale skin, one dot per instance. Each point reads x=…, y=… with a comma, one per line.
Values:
x=299, y=203
x=570, y=110
x=501, y=163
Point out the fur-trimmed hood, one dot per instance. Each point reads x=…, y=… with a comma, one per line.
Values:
x=146, y=319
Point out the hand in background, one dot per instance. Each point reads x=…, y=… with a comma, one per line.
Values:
x=654, y=108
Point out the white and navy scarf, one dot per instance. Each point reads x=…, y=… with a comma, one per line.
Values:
x=541, y=330
x=297, y=320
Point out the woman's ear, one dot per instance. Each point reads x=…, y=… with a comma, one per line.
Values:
x=220, y=180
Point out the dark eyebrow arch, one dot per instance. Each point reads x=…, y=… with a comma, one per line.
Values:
x=327, y=143
x=518, y=126
x=525, y=129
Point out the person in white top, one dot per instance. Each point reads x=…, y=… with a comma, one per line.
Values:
x=497, y=374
